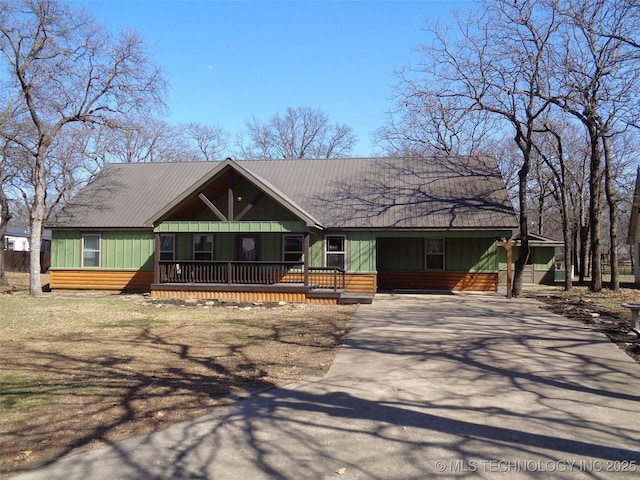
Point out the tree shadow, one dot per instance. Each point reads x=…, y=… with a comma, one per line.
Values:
x=467, y=381
x=425, y=192
x=110, y=389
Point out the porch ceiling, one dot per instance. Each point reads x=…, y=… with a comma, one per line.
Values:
x=214, y=190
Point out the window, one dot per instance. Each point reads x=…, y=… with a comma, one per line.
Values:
x=292, y=248
x=167, y=247
x=248, y=248
x=203, y=247
x=434, y=253
x=335, y=251
x=91, y=250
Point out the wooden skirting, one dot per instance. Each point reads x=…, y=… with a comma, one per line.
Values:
x=482, y=282
x=239, y=296
x=354, y=282
x=293, y=297
x=361, y=282
x=126, y=280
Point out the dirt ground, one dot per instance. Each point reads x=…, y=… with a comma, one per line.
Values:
x=599, y=310
x=90, y=369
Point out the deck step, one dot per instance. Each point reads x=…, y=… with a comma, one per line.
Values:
x=354, y=298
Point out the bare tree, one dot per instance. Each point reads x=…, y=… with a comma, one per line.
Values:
x=498, y=64
x=64, y=69
x=7, y=172
x=553, y=154
x=138, y=139
x=210, y=141
x=427, y=123
x=303, y=132
x=597, y=73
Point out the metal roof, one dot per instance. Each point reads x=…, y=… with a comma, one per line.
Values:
x=406, y=193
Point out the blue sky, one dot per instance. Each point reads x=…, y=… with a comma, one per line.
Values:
x=230, y=61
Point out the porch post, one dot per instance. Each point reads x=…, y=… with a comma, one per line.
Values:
x=508, y=244
x=305, y=251
x=156, y=258
x=230, y=193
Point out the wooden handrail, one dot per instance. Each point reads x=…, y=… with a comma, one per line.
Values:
x=249, y=273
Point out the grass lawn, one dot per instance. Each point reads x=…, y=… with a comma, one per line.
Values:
x=93, y=368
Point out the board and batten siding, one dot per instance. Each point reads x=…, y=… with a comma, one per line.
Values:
x=475, y=255
x=465, y=255
x=119, y=250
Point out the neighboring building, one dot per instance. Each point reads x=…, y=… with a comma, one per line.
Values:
x=16, y=243
x=295, y=230
x=17, y=239
x=541, y=265
x=634, y=228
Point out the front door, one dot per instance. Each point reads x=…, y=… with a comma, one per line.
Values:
x=248, y=249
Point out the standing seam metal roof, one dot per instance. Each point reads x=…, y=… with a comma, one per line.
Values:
x=418, y=193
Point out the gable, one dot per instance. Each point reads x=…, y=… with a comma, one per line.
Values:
x=213, y=202
x=220, y=184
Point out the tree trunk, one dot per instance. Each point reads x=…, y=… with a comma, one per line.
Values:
x=5, y=216
x=37, y=221
x=566, y=236
x=613, y=218
x=523, y=256
x=584, y=249
x=595, y=209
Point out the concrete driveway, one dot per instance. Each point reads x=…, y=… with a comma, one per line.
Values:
x=426, y=386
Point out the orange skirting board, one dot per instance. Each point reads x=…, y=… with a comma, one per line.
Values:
x=101, y=280
x=480, y=282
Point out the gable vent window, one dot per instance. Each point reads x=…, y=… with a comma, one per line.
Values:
x=434, y=249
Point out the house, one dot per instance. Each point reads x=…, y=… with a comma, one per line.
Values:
x=17, y=239
x=16, y=244
x=293, y=230
x=540, y=268
x=634, y=228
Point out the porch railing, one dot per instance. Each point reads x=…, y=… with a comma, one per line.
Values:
x=250, y=273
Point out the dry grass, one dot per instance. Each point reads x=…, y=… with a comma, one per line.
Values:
x=95, y=368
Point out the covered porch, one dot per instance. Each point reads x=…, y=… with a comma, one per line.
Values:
x=253, y=281
x=245, y=262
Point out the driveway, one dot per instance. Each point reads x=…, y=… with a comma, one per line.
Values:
x=426, y=386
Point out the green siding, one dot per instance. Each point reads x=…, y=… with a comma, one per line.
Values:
x=65, y=249
x=125, y=250
x=316, y=250
x=230, y=227
x=224, y=246
x=544, y=258
x=402, y=254
x=362, y=252
x=466, y=255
